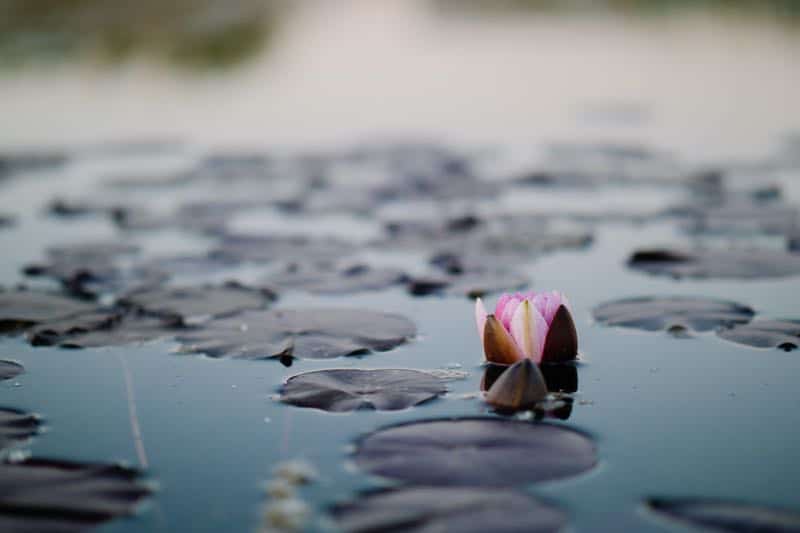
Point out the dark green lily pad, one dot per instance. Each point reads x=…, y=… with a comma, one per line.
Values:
x=22, y=309
x=16, y=426
x=462, y=509
x=198, y=302
x=672, y=313
x=341, y=390
x=782, y=334
x=308, y=333
x=722, y=515
x=475, y=451
x=320, y=280
x=722, y=264
x=10, y=369
x=48, y=496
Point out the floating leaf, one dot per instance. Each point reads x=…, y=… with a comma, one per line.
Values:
x=193, y=302
x=128, y=329
x=289, y=249
x=16, y=426
x=355, y=278
x=783, y=334
x=462, y=509
x=22, y=309
x=672, y=313
x=309, y=333
x=55, y=332
x=10, y=369
x=475, y=451
x=43, y=496
x=724, y=264
x=731, y=516
x=341, y=390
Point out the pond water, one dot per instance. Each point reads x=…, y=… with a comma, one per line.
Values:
x=672, y=414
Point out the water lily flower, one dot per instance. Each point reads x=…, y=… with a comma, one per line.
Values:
x=533, y=325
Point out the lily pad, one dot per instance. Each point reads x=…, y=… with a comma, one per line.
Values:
x=341, y=390
x=16, y=426
x=672, y=313
x=22, y=309
x=462, y=509
x=476, y=451
x=10, y=369
x=43, y=496
x=198, y=302
x=6, y=221
x=320, y=280
x=783, y=334
x=470, y=284
x=722, y=264
x=307, y=333
x=132, y=328
x=56, y=332
x=258, y=249
x=722, y=515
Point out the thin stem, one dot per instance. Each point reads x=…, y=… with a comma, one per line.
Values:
x=134, y=417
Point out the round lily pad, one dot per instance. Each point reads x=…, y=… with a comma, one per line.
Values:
x=356, y=278
x=783, y=334
x=341, y=390
x=55, y=332
x=193, y=302
x=672, y=313
x=10, y=369
x=462, y=509
x=43, y=496
x=722, y=515
x=476, y=451
x=307, y=333
x=722, y=264
x=16, y=426
x=22, y=309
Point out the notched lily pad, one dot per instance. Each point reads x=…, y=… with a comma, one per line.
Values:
x=307, y=333
x=341, y=390
x=41, y=495
x=198, y=302
x=475, y=451
x=722, y=515
x=675, y=314
x=782, y=334
x=22, y=309
x=16, y=426
x=321, y=280
x=723, y=264
x=462, y=509
x=10, y=369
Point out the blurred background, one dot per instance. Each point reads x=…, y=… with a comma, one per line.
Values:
x=713, y=78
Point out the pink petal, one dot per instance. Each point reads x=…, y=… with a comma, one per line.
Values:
x=529, y=330
x=480, y=317
x=508, y=312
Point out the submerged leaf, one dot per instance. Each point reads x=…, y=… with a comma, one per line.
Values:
x=340, y=390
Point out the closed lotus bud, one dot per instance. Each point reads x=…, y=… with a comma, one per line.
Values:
x=522, y=386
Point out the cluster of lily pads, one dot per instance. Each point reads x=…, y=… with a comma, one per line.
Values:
x=452, y=212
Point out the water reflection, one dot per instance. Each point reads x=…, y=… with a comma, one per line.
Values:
x=561, y=380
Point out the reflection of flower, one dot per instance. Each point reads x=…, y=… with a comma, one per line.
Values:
x=536, y=326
